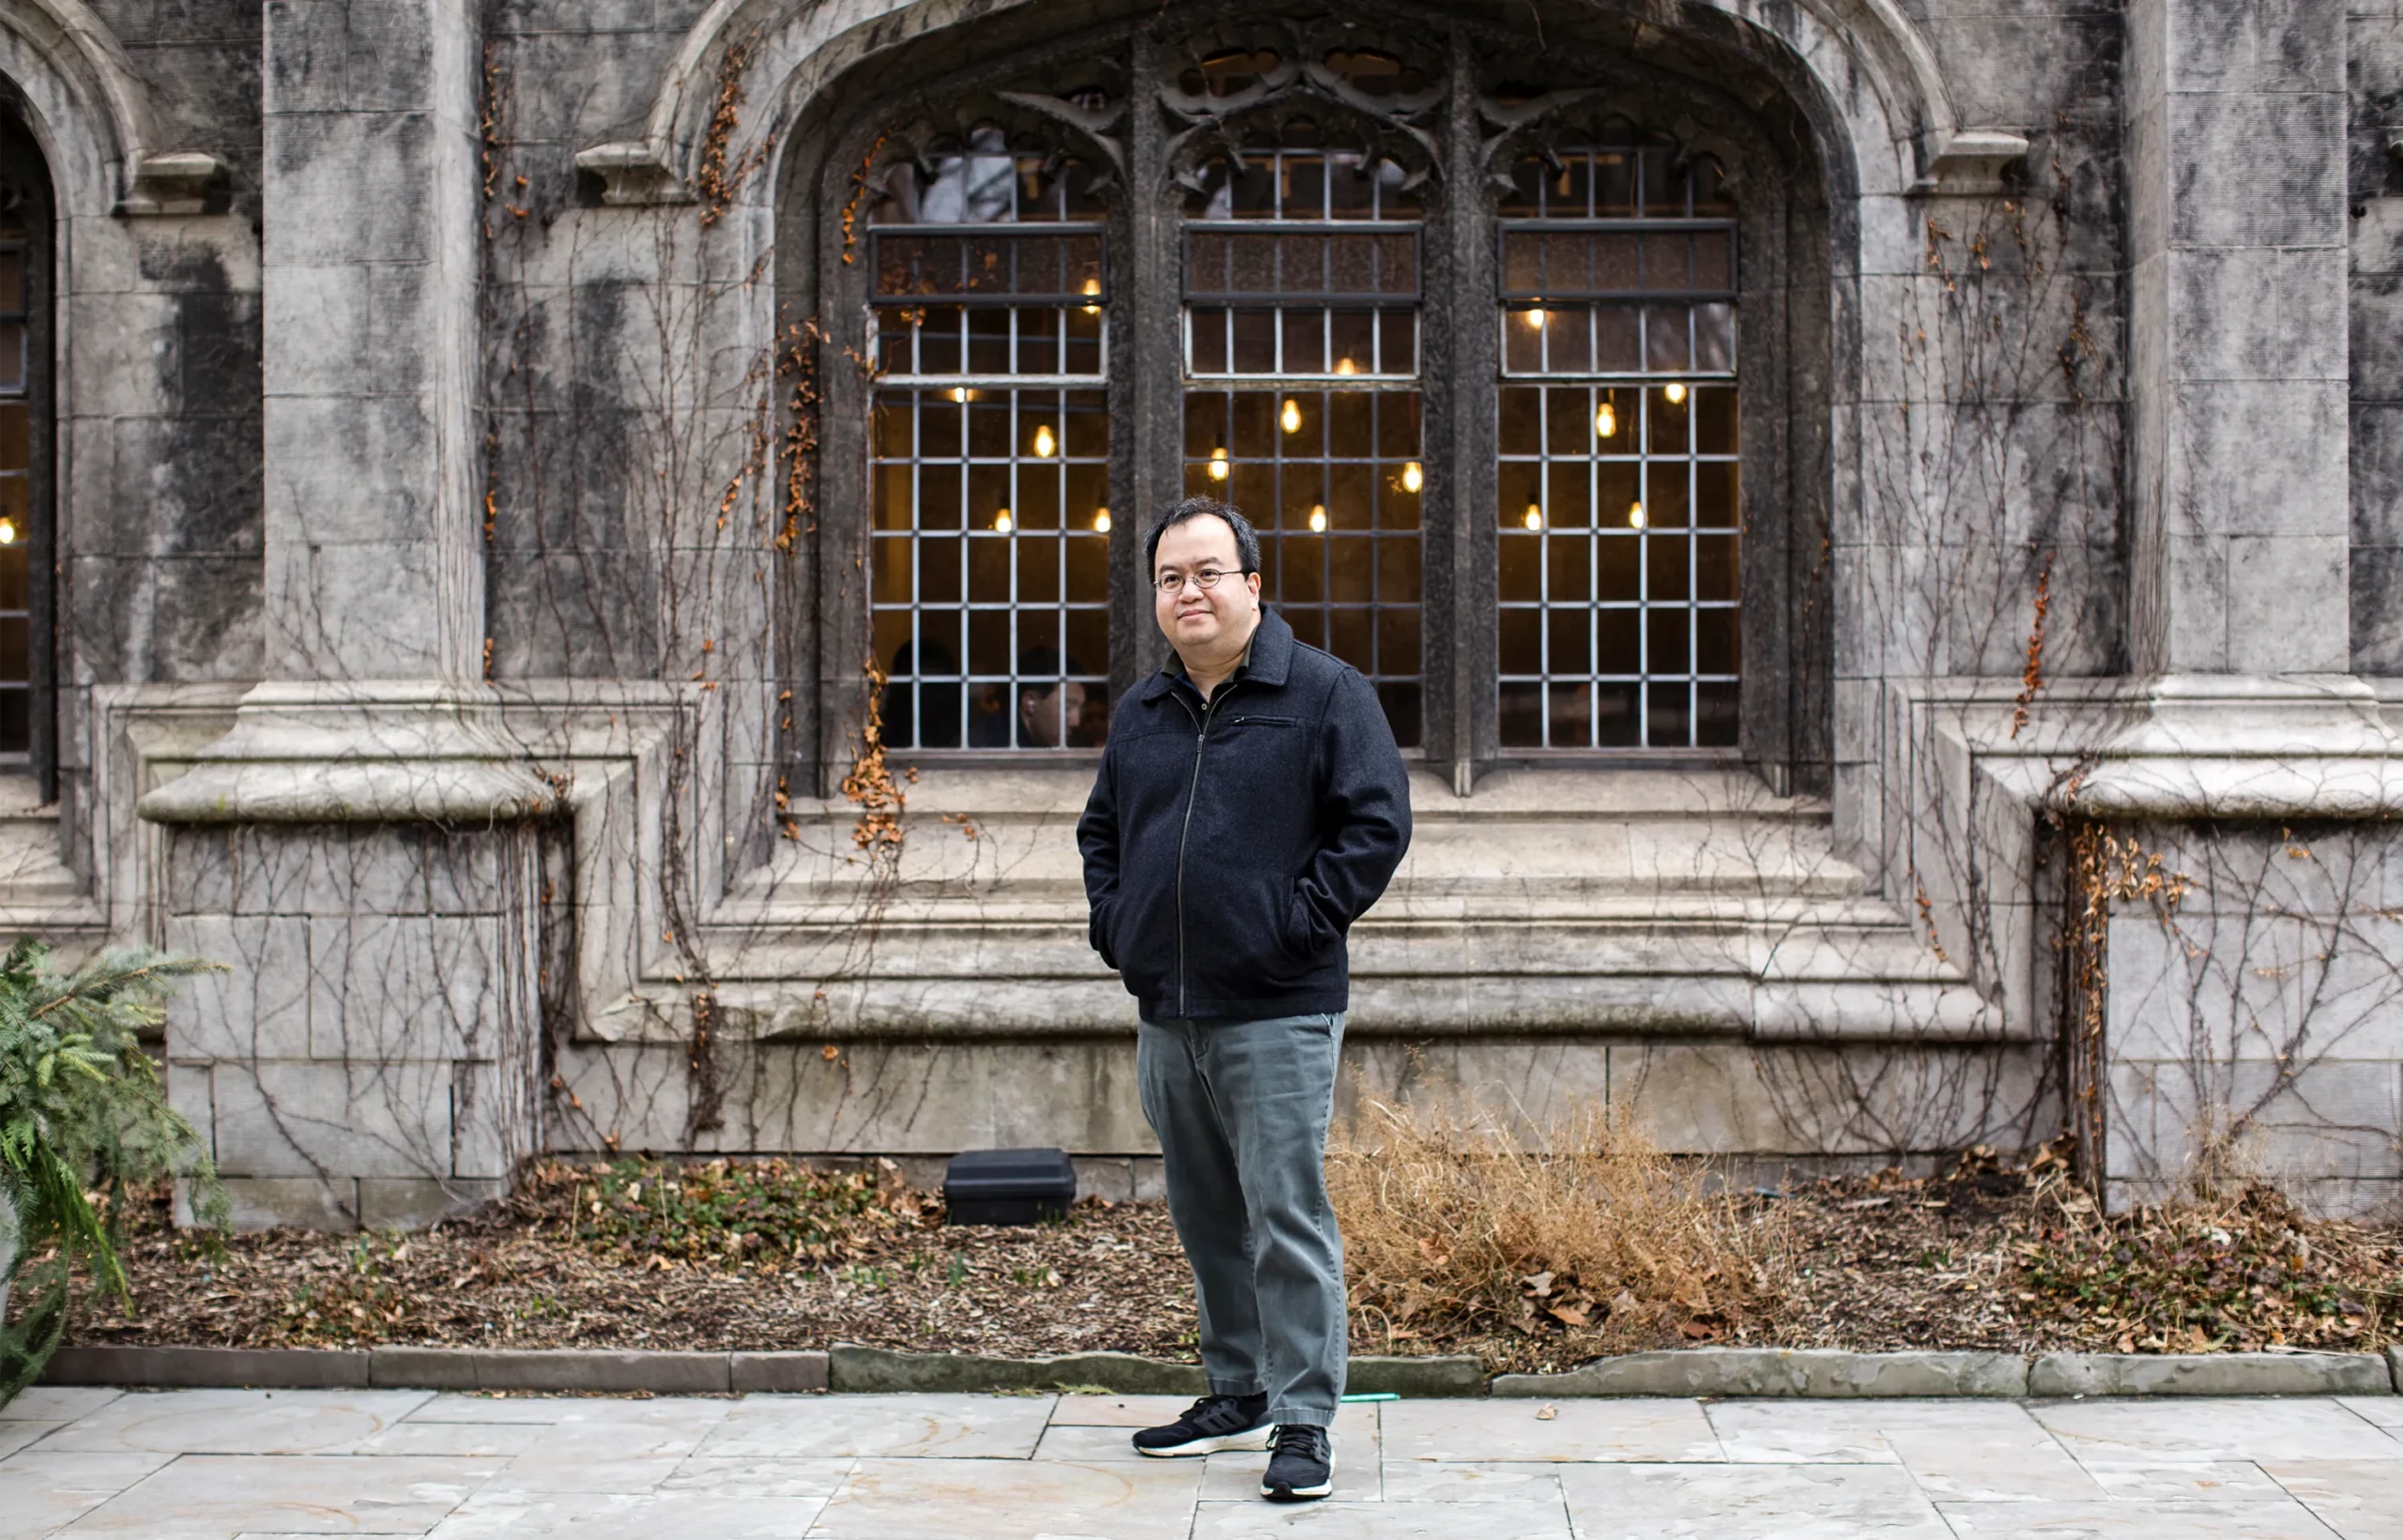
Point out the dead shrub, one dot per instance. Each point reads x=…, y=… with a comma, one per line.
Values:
x=1452, y=1228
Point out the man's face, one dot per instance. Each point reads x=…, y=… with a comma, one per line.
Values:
x=1195, y=618
x=1049, y=721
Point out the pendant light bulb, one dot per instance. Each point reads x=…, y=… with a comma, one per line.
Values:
x=1001, y=521
x=1536, y=318
x=1093, y=287
x=1292, y=419
x=1101, y=521
x=1345, y=366
x=1635, y=515
x=1218, y=463
x=1318, y=518
x=1534, y=516
x=8, y=531
x=1044, y=443
x=1675, y=391
x=1412, y=477
x=1606, y=422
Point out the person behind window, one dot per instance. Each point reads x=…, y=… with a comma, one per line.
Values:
x=1049, y=709
x=919, y=712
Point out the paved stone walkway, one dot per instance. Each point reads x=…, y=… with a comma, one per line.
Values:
x=169, y=1465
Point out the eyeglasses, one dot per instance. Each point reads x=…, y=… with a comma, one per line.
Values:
x=1206, y=579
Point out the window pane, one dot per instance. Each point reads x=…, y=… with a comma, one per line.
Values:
x=993, y=635
x=1329, y=472
x=1617, y=520
x=1332, y=480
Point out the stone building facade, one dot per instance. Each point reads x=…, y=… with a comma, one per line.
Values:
x=570, y=545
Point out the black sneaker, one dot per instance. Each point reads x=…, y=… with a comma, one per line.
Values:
x=1210, y=1424
x=1301, y=1464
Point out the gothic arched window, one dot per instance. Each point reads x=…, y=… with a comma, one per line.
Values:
x=1465, y=345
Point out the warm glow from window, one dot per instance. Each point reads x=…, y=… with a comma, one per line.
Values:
x=1605, y=421
x=8, y=531
x=1218, y=463
x=1675, y=391
x=1092, y=285
x=1318, y=518
x=960, y=393
x=1291, y=420
x=1101, y=520
x=1044, y=443
x=1635, y=515
x=1412, y=477
x=1001, y=521
x=1533, y=519
x=1345, y=366
x=1534, y=319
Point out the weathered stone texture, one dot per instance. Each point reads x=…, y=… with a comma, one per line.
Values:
x=374, y=1040
x=420, y=400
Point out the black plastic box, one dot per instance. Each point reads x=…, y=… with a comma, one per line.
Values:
x=1008, y=1186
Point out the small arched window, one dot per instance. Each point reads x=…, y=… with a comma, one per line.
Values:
x=28, y=736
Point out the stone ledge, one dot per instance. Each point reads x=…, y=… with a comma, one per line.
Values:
x=2213, y=1374
x=1816, y=1373
x=1425, y=1378
x=871, y=1370
x=881, y=1369
x=1728, y=1372
x=440, y=1368
x=552, y=1368
x=282, y=1368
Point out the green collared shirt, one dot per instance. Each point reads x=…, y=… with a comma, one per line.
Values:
x=1174, y=668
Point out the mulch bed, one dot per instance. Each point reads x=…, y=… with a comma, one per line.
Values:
x=775, y=1256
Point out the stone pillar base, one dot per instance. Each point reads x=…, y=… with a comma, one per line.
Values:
x=376, y=870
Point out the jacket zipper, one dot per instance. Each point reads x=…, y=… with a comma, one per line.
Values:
x=1192, y=794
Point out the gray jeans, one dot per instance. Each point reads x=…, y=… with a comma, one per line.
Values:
x=1241, y=1108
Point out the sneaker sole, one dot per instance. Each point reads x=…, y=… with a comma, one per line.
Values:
x=1298, y=1494
x=1219, y=1443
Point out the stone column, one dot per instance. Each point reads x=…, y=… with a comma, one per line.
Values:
x=2237, y=342
x=361, y=849
x=2250, y=980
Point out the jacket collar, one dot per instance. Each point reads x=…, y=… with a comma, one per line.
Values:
x=1272, y=657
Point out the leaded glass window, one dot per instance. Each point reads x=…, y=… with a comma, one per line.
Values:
x=1302, y=404
x=989, y=584
x=1455, y=324
x=1617, y=490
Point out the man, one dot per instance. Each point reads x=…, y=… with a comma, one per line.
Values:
x=1050, y=708
x=1250, y=806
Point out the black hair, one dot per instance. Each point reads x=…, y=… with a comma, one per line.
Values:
x=1039, y=669
x=1247, y=538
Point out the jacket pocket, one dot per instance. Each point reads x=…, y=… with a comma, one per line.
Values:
x=1301, y=933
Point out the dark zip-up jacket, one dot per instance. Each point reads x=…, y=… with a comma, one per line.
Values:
x=1228, y=846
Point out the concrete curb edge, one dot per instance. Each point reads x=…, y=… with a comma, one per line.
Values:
x=440, y=1369
x=1735, y=1372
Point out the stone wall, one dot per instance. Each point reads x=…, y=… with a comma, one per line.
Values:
x=444, y=643
x=373, y=1055
x=2253, y=1013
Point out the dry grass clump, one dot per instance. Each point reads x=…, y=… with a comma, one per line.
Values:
x=1590, y=1236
